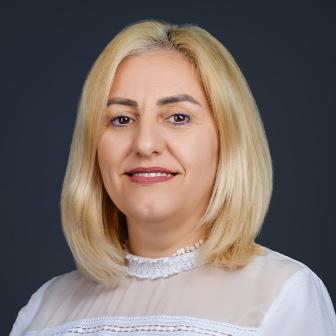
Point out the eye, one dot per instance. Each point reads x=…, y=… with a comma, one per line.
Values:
x=178, y=117
x=121, y=118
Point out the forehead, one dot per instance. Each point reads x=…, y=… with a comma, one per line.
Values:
x=154, y=71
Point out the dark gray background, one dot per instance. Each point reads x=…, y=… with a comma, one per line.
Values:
x=285, y=50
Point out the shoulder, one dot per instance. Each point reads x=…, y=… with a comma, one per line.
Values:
x=290, y=271
x=267, y=273
x=59, y=286
x=259, y=288
x=270, y=260
x=262, y=278
x=277, y=272
x=64, y=283
x=59, y=283
x=279, y=269
x=301, y=303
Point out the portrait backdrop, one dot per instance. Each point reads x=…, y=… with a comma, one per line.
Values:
x=286, y=51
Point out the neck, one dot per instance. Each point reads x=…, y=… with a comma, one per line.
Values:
x=161, y=242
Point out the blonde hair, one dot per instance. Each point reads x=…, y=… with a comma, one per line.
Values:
x=95, y=228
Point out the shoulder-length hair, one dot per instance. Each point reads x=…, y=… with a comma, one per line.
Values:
x=96, y=229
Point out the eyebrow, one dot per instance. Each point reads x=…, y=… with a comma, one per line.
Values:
x=160, y=102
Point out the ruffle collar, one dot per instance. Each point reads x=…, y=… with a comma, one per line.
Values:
x=163, y=267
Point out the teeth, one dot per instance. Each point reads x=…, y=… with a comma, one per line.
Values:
x=152, y=174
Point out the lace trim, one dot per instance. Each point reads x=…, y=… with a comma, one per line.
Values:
x=146, y=325
x=153, y=268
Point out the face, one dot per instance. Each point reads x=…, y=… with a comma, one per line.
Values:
x=143, y=128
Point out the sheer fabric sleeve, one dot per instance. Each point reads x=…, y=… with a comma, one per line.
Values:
x=27, y=313
x=302, y=307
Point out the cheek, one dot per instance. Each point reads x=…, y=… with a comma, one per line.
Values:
x=107, y=156
x=199, y=153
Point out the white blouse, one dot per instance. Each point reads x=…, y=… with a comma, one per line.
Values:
x=274, y=295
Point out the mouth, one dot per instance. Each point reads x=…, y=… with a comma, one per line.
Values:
x=151, y=174
x=150, y=178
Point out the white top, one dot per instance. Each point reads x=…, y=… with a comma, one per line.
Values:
x=273, y=295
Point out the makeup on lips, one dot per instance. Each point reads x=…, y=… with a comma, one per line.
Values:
x=149, y=175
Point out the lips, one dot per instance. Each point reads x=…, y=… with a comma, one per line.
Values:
x=150, y=170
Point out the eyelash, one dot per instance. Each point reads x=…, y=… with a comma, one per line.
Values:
x=174, y=114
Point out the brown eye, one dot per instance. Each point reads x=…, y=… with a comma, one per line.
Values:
x=123, y=121
x=179, y=118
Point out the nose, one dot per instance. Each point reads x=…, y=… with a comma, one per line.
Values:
x=147, y=139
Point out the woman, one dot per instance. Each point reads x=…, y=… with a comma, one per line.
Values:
x=168, y=182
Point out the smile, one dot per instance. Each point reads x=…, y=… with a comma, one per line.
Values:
x=153, y=174
x=149, y=178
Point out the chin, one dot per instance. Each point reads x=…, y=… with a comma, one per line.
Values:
x=152, y=213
